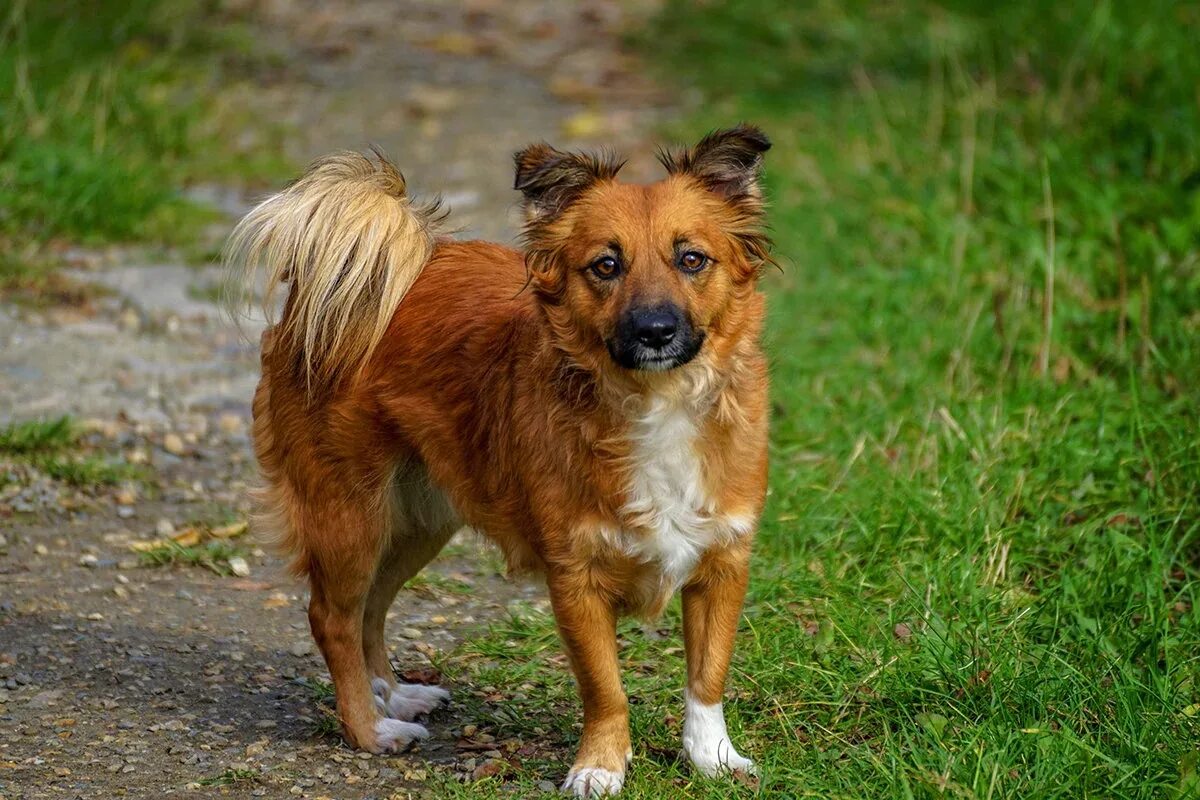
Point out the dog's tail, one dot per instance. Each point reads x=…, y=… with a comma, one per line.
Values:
x=350, y=243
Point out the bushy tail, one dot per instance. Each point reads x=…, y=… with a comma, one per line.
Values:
x=350, y=243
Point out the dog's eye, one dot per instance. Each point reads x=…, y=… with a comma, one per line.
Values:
x=606, y=268
x=692, y=261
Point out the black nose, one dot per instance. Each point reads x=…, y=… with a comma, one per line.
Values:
x=655, y=328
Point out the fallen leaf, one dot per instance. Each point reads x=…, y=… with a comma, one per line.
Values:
x=188, y=537
x=230, y=531
x=425, y=675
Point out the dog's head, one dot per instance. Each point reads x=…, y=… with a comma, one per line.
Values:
x=646, y=277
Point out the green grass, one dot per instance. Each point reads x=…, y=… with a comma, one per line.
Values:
x=213, y=555
x=37, y=436
x=977, y=570
x=53, y=447
x=109, y=108
x=230, y=777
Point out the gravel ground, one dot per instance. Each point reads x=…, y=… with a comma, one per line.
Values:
x=119, y=679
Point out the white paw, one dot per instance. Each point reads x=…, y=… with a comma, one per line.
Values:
x=706, y=741
x=395, y=736
x=407, y=700
x=593, y=782
x=720, y=759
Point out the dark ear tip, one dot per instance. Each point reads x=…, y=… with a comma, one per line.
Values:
x=527, y=162
x=754, y=136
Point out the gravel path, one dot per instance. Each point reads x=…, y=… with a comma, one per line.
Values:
x=121, y=679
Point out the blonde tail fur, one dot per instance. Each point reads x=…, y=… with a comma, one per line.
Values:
x=350, y=243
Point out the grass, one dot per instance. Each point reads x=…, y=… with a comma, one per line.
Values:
x=977, y=571
x=110, y=107
x=230, y=777
x=213, y=555
x=54, y=447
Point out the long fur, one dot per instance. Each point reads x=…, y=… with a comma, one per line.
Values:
x=350, y=243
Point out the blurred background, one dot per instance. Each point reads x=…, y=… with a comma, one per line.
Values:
x=977, y=571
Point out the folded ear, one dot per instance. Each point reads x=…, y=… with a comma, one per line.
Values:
x=727, y=161
x=551, y=179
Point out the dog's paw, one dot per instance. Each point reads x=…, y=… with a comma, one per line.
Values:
x=593, y=782
x=407, y=700
x=719, y=758
x=706, y=741
x=396, y=736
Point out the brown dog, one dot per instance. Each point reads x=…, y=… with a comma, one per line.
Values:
x=596, y=405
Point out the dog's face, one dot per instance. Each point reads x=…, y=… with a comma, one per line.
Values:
x=644, y=276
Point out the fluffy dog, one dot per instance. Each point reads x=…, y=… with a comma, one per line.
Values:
x=595, y=403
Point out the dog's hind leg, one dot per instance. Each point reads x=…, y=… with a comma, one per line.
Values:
x=343, y=564
x=422, y=522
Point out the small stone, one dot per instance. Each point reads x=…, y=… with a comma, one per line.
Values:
x=127, y=496
x=410, y=633
x=302, y=648
x=164, y=527
x=230, y=423
x=121, y=592
x=122, y=580
x=129, y=320
x=125, y=512
x=239, y=567
x=88, y=560
x=547, y=786
x=41, y=549
x=173, y=444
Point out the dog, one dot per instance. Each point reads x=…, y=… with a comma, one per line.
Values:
x=594, y=403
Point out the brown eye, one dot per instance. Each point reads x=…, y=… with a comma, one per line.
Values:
x=692, y=261
x=606, y=268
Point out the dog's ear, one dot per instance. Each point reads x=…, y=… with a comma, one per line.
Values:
x=551, y=179
x=727, y=161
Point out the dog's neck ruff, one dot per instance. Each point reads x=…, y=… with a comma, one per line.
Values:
x=670, y=518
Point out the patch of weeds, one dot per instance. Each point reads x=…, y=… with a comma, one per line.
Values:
x=429, y=579
x=213, y=555
x=38, y=436
x=230, y=777
x=326, y=724
x=31, y=282
x=51, y=446
x=83, y=471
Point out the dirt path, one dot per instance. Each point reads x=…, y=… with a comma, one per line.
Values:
x=118, y=679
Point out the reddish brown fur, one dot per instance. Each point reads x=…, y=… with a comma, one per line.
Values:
x=505, y=395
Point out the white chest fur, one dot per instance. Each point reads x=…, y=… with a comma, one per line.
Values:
x=671, y=516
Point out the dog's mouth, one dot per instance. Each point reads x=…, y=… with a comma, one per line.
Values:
x=637, y=356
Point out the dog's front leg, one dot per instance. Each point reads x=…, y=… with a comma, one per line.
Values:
x=587, y=624
x=712, y=603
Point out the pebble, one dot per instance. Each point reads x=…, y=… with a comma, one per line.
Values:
x=41, y=549
x=164, y=527
x=88, y=560
x=302, y=648
x=410, y=633
x=230, y=423
x=239, y=567
x=173, y=444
